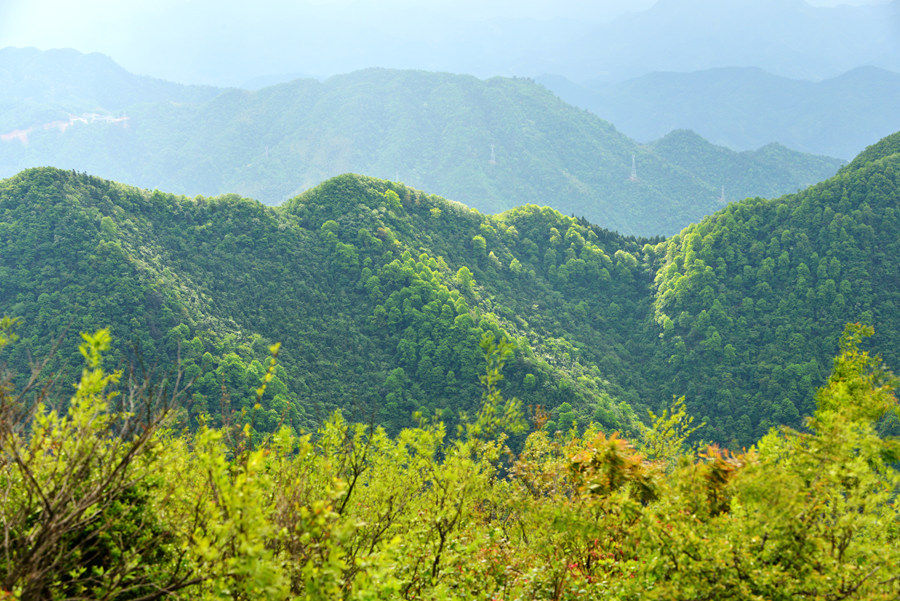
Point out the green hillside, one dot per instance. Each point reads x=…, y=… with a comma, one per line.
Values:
x=768, y=172
x=751, y=300
x=380, y=295
x=39, y=87
x=432, y=131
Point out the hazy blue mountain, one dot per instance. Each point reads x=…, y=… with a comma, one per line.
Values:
x=264, y=81
x=435, y=131
x=786, y=37
x=574, y=39
x=40, y=87
x=745, y=108
x=739, y=172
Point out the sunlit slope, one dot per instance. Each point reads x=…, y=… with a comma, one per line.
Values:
x=379, y=294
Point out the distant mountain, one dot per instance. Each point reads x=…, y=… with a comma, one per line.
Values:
x=787, y=37
x=573, y=39
x=745, y=108
x=740, y=173
x=264, y=81
x=39, y=87
x=490, y=144
x=380, y=295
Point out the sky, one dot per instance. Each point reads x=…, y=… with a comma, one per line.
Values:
x=226, y=42
x=153, y=37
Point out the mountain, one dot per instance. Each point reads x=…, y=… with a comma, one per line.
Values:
x=380, y=295
x=751, y=299
x=491, y=144
x=787, y=37
x=740, y=172
x=38, y=87
x=578, y=40
x=746, y=108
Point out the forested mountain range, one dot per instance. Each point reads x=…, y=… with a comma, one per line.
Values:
x=491, y=144
x=402, y=334
x=746, y=298
x=41, y=87
x=746, y=107
x=380, y=295
x=766, y=172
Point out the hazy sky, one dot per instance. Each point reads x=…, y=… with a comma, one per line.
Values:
x=229, y=41
x=92, y=24
x=156, y=37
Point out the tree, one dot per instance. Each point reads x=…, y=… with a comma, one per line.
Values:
x=464, y=278
x=82, y=488
x=805, y=514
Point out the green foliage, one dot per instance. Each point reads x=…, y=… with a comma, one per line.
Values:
x=497, y=415
x=215, y=281
x=669, y=432
x=808, y=514
x=749, y=301
x=85, y=488
x=102, y=503
x=7, y=324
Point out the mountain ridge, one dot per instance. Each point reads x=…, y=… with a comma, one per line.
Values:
x=434, y=131
x=381, y=293
x=745, y=108
x=582, y=42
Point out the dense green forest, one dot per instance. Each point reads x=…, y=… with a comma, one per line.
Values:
x=749, y=299
x=380, y=295
x=370, y=392
x=492, y=144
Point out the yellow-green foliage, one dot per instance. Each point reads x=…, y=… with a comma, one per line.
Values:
x=101, y=500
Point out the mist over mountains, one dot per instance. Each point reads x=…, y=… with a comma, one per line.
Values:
x=492, y=144
x=381, y=293
x=746, y=107
x=580, y=41
x=789, y=38
x=43, y=86
x=742, y=74
x=722, y=292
